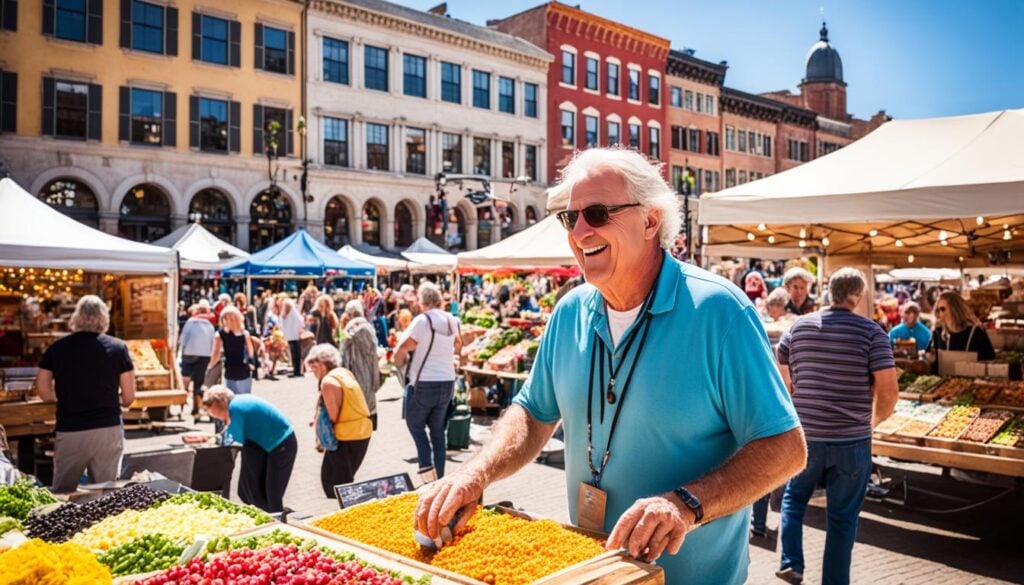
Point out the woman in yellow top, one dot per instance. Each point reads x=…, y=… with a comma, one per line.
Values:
x=342, y=400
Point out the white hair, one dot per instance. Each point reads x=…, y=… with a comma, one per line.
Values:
x=354, y=308
x=845, y=283
x=797, y=273
x=430, y=295
x=643, y=178
x=326, y=354
x=778, y=298
x=91, y=314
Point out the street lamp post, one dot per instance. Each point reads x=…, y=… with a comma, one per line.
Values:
x=304, y=177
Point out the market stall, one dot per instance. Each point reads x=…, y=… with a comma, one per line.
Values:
x=544, y=245
x=428, y=258
x=298, y=257
x=47, y=261
x=384, y=265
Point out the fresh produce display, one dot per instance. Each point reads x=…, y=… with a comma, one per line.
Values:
x=494, y=548
x=171, y=520
x=277, y=564
x=18, y=499
x=1011, y=436
x=906, y=378
x=893, y=423
x=931, y=413
x=1012, y=394
x=144, y=357
x=951, y=388
x=8, y=524
x=152, y=552
x=906, y=406
x=984, y=391
x=212, y=501
x=958, y=419
x=922, y=384
x=480, y=318
x=38, y=562
x=983, y=428
x=70, y=518
x=916, y=428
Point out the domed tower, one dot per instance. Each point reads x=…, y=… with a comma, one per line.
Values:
x=823, y=88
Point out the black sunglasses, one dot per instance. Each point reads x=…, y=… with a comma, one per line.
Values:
x=596, y=215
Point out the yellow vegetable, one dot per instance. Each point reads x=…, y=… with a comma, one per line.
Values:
x=172, y=520
x=40, y=563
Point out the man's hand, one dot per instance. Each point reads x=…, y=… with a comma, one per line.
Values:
x=455, y=494
x=650, y=527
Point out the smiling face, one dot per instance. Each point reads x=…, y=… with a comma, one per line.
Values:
x=942, y=313
x=610, y=254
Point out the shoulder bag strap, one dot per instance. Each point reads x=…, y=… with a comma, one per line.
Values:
x=426, y=355
x=969, y=338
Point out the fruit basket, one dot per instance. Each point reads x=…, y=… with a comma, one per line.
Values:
x=922, y=384
x=986, y=426
x=1011, y=436
x=983, y=391
x=950, y=389
x=1012, y=394
x=958, y=419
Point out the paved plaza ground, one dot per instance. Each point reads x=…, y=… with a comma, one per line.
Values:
x=895, y=546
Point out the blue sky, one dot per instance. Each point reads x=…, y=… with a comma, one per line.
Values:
x=912, y=58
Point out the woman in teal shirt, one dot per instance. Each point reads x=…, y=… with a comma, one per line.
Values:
x=911, y=327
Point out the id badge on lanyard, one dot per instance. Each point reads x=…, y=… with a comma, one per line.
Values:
x=591, y=503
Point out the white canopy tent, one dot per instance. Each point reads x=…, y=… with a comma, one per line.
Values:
x=909, y=193
x=380, y=262
x=200, y=249
x=428, y=257
x=543, y=244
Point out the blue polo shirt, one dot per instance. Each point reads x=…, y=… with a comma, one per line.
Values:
x=919, y=333
x=705, y=385
x=254, y=419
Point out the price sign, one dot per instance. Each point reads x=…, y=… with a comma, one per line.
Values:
x=350, y=494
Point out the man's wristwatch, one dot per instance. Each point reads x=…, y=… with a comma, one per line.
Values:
x=692, y=502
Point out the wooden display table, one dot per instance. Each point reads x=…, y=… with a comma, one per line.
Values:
x=158, y=398
x=946, y=457
x=26, y=420
x=476, y=378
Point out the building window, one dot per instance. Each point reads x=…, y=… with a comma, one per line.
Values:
x=214, y=40
x=591, y=82
x=416, y=151
x=805, y=154
x=730, y=178
x=147, y=27
x=414, y=76
x=730, y=138
x=767, y=150
x=271, y=131
x=568, y=128
x=481, y=89
x=507, y=95
x=530, y=164
x=676, y=99
x=376, y=68
x=709, y=105
x=530, y=100
x=699, y=103
x=508, y=160
x=693, y=144
x=752, y=142
x=614, y=133
x=568, y=67
x=654, y=142
x=72, y=101
x=335, y=61
x=613, y=79
x=275, y=50
x=451, y=153
x=451, y=82
x=792, y=150
x=482, y=156
x=213, y=125
x=677, y=137
x=711, y=141
x=377, y=147
x=634, y=85
x=688, y=100
x=336, y=142
x=147, y=117
x=72, y=19
x=653, y=89
x=743, y=177
x=590, y=129
x=634, y=136
x=742, y=142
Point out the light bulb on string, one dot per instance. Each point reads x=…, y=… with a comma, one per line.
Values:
x=1006, y=226
x=803, y=243
x=803, y=233
x=825, y=241
x=944, y=242
x=981, y=220
x=943, y=235
x=899, y=243
x=761, y=227
x=1007, y=235
x=873, y=233
x=750, y=236
x=910, y=259
x=771, y=239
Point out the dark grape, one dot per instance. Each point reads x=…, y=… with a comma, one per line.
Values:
x=71, y=518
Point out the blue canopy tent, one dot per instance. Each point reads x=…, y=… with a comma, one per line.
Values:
x=299, y=256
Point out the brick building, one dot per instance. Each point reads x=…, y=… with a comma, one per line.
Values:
x=606, y=85
x=694, y=120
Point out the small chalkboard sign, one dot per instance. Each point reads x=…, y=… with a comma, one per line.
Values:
x=350, y=494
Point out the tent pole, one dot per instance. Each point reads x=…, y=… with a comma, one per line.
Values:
x=248, y=289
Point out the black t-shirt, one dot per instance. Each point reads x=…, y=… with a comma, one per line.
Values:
x=87, y=370
x=980, y=342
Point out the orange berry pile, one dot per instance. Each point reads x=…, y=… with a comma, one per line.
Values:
x=494, y=548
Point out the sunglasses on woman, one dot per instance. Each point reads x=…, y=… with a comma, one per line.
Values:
x=596, y=215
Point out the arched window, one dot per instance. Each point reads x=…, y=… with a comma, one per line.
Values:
x=507, y=214
x=456, y=237
x=145, y=214
x=73, y=199
x=371, y=224
x=531, y=215
x=404, y=233
x=271, y=219
x=212, y=209
x=336, y=223
x=484, y=226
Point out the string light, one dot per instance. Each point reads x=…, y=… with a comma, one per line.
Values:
x=944, y=242
x=750, y=236
x=873, y=233
x=910, y=259
x=761, y=227
x=899, y=243
x=1006, y=226
x=771, y=239
x=943, y=235
x=1007, y=235
x=824, y=241
x=803, y=233
x=981, y=220
x=803, y=243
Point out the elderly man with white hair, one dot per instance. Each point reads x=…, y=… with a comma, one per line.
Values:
x=675, y=416
x=797, y=283
x=82, y=373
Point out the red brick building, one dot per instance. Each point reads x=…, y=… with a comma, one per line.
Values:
x=606, y=86
x=694, y=120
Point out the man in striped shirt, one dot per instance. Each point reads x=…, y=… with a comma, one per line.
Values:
x=839, y=367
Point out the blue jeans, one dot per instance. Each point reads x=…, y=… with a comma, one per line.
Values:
x=759, y=517
x=243, y=386
x=426, y=409
x=844, y=468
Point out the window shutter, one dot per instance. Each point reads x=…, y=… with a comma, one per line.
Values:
x=124, y=119
x=126, y=24
x=171, y=31
x=258, y=42
x=193, y=121
x=257, y=130
x=235, y=133
x=49, y=106
x=95, y=123
x=290, y=135
x=291, y=53
x=235, y=43
x=9, y=102
x=95, y=27
x=197, y=36
x=10, y=15
x=170, y=125
x=49, y=17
